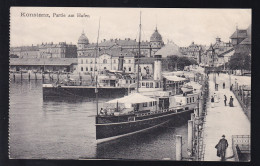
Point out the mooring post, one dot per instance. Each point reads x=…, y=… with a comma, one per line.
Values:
x=178, y=147
x=190, y=136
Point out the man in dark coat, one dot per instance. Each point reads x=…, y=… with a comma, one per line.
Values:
x=225, y=100
x=221, y=148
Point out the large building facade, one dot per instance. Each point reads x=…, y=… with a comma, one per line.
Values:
x=107, y=56
x=148, y=48
x=46, y=50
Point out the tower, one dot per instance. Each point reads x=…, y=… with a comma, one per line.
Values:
x=82, y=43
x=156, y=41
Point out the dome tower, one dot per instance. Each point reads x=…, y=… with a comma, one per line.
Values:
x=83, y=41
x=156, y=41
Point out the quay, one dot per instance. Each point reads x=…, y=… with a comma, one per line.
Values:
x=230, y=121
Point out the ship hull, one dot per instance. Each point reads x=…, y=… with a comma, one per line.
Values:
x=110, y=130
x=83, y=91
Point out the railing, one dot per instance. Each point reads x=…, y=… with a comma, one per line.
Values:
x=244, y=100
x=241, y=145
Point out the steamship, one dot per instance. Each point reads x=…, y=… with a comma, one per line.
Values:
x=150, y=105
x=110, y=84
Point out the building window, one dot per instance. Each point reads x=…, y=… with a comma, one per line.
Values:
x=104, y=61
x=143, y=84
x=144, y=104
x=190, y=100
x=105, y=68
x=124, y=61
x=151, y=85
x=187, y=100
x=150, y=104
x=81, y=68
x=86, y=61
x=193, y=99
x=129, y=68
x=129, y=61
x=114, y=61
x=86, y=68
x=81, y=61
x=91, y=69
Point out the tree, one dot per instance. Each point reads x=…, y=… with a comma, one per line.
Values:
x=180, y=61
x=240, y=61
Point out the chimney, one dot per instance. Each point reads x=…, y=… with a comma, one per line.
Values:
x=157, y=67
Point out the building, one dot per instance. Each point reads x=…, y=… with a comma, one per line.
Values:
x=60, y=50
x=43, y=64
x=217, y=54
x=148, y=48
x=193, y=51
x=47, y=50
x=25, y=51
x=241, y=40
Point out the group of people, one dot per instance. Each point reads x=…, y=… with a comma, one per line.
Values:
x=106, y=112
x=215, y=99
x=230, y=101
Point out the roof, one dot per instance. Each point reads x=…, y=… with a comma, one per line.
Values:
x=169, y=49
x=156, y=36
x=228, y=52
x=133, y=98
x=114, y=51
x=246, y=40
x=25, y=48
x=43, y=61
x=83, y=39
x=239, y=34
x=175, y=78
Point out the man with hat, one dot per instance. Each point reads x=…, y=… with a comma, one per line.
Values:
x=221, y=148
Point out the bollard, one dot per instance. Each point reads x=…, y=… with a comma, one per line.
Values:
x=178, y=147
x=190, y=136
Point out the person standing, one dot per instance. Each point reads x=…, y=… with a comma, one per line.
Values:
x=224, y=85
x=225, y=100
x=221, y=148
x=231, y=101
x=212, y=102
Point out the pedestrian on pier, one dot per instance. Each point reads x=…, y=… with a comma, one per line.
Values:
x=231, y=101
x=224, y=85
x=225, y=100
x=221, y=148
x=212, y=102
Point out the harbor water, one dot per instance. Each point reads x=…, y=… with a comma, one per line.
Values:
x=65, y=129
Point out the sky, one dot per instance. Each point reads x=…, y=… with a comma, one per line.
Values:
x=181, y=26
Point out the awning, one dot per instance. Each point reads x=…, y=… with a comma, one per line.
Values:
x=132, y=99
x=175, y=78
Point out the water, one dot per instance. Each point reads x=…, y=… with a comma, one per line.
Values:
x=66, y=130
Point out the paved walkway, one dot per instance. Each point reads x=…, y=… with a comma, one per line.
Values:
x=223, y=120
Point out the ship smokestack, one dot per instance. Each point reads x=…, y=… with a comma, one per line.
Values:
x=120, y=63
x=157, y=67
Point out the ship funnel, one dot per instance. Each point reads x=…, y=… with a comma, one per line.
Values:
x=157, y=67
x=120, y=63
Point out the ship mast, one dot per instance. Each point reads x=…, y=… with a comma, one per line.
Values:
x=139, y=52
x=96, y=90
